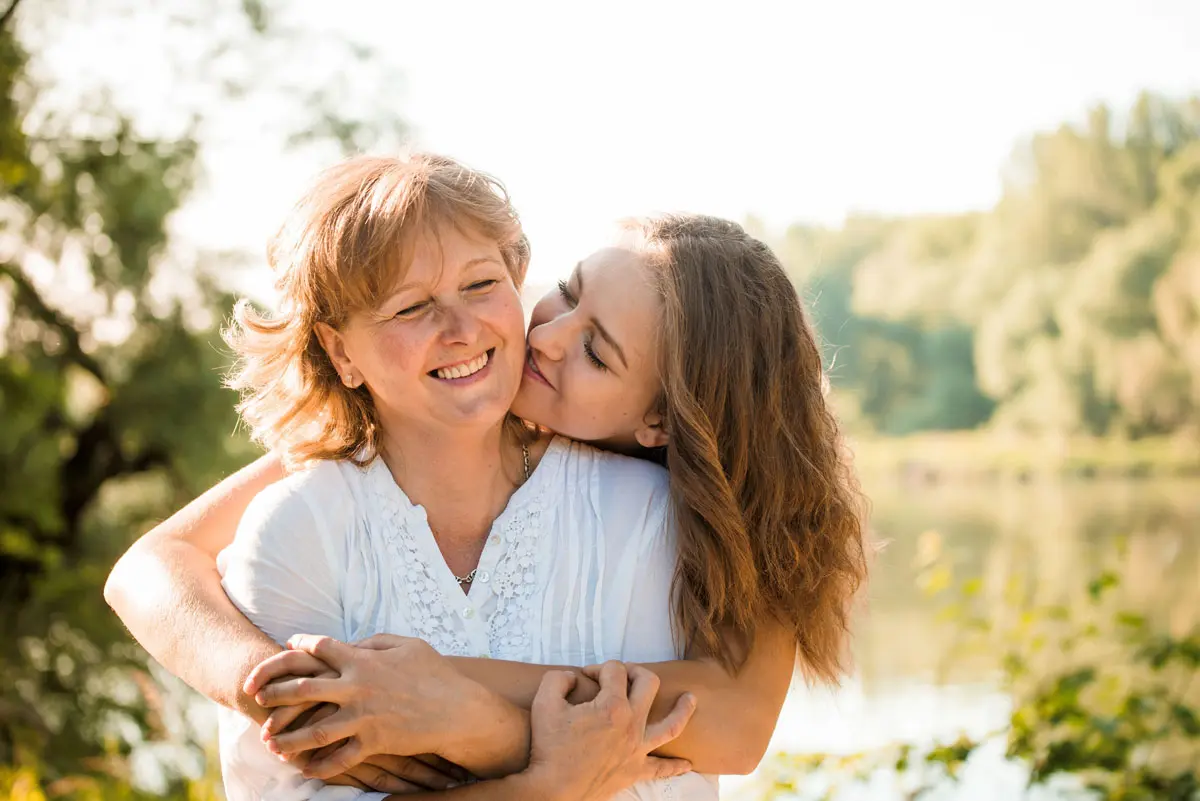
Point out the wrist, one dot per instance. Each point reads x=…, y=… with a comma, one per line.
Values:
x=538, y=783
x=494, y=734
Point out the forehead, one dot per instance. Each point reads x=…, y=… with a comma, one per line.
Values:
x=619, y=293
x=438, y=252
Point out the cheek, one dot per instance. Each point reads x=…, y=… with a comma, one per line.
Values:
x=400, y=347
x=503, y=312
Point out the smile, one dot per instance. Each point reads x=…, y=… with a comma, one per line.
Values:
x=531, y=369
x=463, y=369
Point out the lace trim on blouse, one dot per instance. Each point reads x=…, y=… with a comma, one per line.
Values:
x=514, y=576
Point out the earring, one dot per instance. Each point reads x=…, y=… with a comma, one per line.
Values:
x=348, y=380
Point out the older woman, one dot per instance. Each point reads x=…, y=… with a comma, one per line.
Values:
x=388, y=373
x=685, y=342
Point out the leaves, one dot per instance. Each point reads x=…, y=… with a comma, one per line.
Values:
x=1125, y=725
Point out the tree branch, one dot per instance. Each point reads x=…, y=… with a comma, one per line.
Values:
x=28, y=295
x=8, y=12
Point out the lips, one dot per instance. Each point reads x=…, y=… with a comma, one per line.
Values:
x=532, y=369
x=464, y=369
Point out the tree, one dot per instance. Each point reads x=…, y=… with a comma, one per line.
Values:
x=112, y=402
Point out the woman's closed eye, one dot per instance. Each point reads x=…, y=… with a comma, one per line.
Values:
x=565, y=290
x=590, y=352
x=409, y=312
x=480, y=286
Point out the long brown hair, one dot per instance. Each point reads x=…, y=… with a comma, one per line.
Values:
x=342, y=247
x=767, y=506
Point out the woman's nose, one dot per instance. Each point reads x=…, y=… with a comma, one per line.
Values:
x=550, y=337
x=461, y=325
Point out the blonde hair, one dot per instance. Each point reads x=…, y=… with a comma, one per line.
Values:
x=345, y=244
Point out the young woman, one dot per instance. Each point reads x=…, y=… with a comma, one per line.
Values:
x=686, y=342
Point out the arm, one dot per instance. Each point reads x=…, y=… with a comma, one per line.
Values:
x=167, y=591
x=382, y=713
x=735, y=715
x=591, y=751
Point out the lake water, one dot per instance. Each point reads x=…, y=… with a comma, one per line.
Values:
x=1050, y=539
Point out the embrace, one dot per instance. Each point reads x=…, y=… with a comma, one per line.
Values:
x=578, y=563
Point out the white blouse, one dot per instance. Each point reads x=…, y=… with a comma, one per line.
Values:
x=576, y=570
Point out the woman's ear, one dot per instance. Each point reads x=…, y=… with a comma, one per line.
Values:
x=335, y=348
x=651, y=433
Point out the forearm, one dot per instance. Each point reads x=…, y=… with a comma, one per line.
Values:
x=733, y=722
x=518, y=682
x=735, y=714
x=170, y=597
x=167, y=592
x=518, y=787
x=491, y=737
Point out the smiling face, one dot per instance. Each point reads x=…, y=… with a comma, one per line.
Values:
x=445, y=348
x=591, y=371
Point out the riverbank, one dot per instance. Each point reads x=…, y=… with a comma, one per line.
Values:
x=938, y=457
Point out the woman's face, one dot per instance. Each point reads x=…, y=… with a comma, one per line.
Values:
x=591, y=367
x=446, y=348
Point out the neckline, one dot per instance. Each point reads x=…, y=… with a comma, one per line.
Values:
x=530, y=492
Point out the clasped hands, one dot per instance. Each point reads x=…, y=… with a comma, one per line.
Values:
x=336, y=710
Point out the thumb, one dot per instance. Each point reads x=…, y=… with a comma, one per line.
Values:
x=552, y=692
x=330, y=651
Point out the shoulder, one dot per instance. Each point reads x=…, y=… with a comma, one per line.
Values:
x=307, y=507
x=613, y=474
x=326, y=489
x=621, y=496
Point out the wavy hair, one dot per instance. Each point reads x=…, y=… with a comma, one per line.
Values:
x=768, y=509
x=344, y=246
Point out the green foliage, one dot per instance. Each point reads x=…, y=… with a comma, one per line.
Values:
x=1071, y=308
x=110, y=396
x=1104, y=701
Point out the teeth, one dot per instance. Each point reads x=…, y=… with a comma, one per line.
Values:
x=464, y=370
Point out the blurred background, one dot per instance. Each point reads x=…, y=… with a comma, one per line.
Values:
x=992, y=209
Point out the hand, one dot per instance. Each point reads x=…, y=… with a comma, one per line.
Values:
x=393, y=695
x=382, y=773
x=594, y=750
x=283, y=666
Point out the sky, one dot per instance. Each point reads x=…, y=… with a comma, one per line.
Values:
x=788, y=111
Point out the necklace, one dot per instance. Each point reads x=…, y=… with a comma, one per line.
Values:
x=467, y=579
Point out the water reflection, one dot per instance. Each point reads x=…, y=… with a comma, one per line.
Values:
x=1044, y=541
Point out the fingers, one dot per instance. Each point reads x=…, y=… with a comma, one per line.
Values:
x=315, y=735
x=301, y=691
x=445, y=766
x=330, y=651
x=614, y=682
x=552, y=692
x=284, y=663
x=662, y=768
x=383, y=780
x=282, y=717
x=350, y=754
x=413, y=771
x=664, y=731
x=643, y=686
x=348, y=780
x=381, y=642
